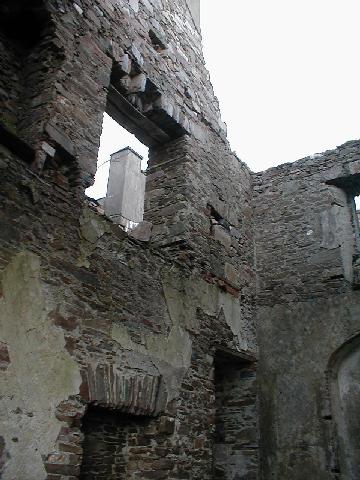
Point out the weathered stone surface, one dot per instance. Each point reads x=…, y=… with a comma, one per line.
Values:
x=41, y=373
x=222, y=235
x=305, y=244
x=142, y=231
x=116, y=341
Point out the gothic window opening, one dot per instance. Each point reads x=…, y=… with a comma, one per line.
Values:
x=355, y=216
x=235, y=453
x=345, y=399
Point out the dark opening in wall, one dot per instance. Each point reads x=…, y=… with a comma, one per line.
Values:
x=344, y=375
x=355, y=215
x=23, y=22
x=135, y=103
x=28, y=58
x=157, y=39
x=235, y=452
x=115, y=444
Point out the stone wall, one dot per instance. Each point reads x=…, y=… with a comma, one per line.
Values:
x=139, y=330
x=31, y=57
x=308, y=306
x=100, y=328
x=89, y=315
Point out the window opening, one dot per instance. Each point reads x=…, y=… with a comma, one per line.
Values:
x=347, y=195
x=136, y=103
x=356, y=215
x=23, y=22
x=119, y=184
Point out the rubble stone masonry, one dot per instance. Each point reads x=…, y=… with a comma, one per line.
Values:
x=222, y=344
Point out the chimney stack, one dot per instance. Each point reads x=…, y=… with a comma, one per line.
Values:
x=124, y=201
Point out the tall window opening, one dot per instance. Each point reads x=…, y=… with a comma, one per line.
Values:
x=345, y=229
x=136, y=103
x=235, y=453
x=356, y=215
x=120, y=178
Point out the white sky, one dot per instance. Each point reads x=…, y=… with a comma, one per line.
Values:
x=287, y=75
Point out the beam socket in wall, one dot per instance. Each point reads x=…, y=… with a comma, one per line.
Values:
x=157, y=39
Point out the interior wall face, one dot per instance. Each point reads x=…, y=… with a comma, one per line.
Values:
x=131, y=326
x=307, y=307
x=259, y=265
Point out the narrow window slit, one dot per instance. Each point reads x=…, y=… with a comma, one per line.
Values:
x=355, y=206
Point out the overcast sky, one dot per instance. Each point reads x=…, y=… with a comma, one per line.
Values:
x=287, y=75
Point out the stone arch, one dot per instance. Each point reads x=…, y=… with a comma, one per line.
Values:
x=344, y=375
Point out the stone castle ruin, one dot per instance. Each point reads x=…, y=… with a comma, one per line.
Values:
x=222, y=342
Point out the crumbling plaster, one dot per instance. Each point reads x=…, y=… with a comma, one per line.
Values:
x=260, y=266
x=307, y=307
x=41, y=373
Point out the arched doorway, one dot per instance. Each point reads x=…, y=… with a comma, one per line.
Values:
x=345, y=398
